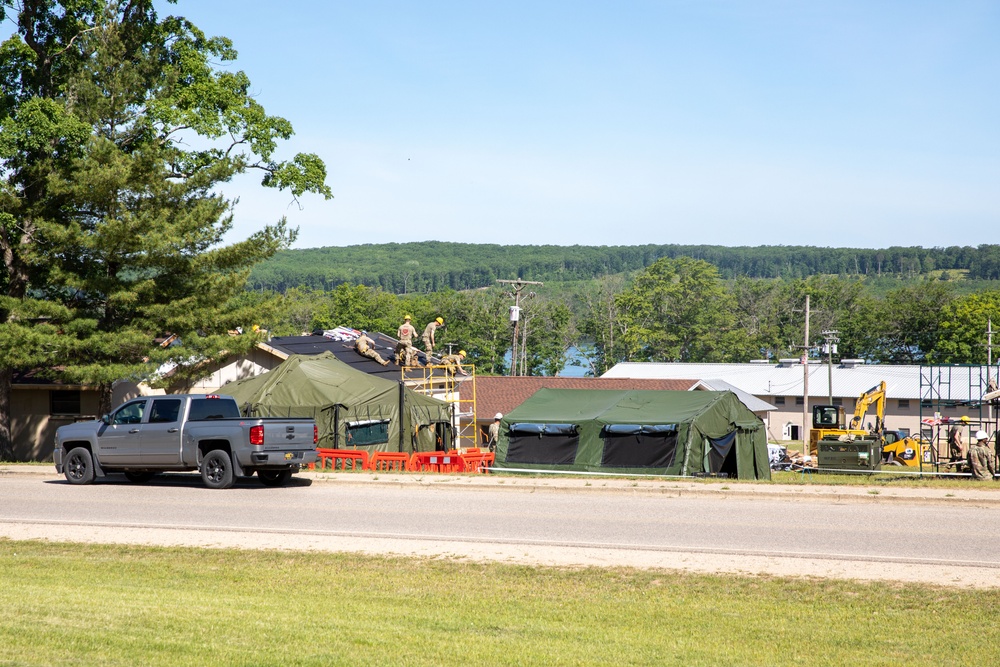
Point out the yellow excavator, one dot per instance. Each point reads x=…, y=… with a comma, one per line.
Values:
x=897, y=449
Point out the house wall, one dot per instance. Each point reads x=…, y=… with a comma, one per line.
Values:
x=254, y=363
x=33, y=426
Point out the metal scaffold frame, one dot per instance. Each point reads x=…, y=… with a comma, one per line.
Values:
x=459, y=391
x=947, y=388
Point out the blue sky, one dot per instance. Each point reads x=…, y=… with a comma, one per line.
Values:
x=723, y=122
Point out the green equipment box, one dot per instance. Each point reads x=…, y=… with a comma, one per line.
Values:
x=859, y=454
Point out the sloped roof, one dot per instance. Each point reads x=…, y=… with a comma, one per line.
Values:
x=749, y=400
x=902, y=381
x=503, y=394
x=344, y=351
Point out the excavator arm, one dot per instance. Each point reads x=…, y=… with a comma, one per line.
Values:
x=874, y=396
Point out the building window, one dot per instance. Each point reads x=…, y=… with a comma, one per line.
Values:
x=799, y=400
x=779, y=400
x=64, y=402
x=904, y=404
x=838, y=401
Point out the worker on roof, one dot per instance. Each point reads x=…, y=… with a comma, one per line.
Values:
x=982, y=458
x=366, y=348
x=406, y=354
x=428, y=336
x=453, y=363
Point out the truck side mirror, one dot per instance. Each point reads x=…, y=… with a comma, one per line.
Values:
x=106, y=419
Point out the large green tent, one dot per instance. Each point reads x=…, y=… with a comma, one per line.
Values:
x=659, y=432
x=353, y=410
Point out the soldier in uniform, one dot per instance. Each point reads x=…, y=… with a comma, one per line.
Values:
x=494, y=432
x=982, y=458
x=405, y=352
x=366, y=348
x=453, y=362
x=956, y=448
x=429, y=335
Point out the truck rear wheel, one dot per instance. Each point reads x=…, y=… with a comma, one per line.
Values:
x=79, y=466
x=217, y=470
x=274, y=477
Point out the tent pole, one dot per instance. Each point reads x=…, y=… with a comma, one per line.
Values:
x=402, y=422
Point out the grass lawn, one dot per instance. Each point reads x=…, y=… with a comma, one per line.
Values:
x=71, y=604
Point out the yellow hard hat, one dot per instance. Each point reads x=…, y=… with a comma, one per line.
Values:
x=439, y=320
x=461, y=352
x=407, y=317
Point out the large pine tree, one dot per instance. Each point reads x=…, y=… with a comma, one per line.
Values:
x=116, y=129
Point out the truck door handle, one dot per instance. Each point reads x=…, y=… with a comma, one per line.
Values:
x=171, y=430
x=133, y=430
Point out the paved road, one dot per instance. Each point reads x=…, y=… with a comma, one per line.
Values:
x=713, y=530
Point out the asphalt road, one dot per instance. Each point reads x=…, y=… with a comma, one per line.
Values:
x=711, y=529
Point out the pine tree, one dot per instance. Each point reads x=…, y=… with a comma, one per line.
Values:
x=116, y=130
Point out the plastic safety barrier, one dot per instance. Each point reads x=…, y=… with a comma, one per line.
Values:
x=387, y=461
x=478, y=461
x=341, y=458
x=436, y=462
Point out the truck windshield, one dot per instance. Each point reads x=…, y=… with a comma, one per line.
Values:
x=213, y=408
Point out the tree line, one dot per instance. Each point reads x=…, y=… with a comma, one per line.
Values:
x=431, y=266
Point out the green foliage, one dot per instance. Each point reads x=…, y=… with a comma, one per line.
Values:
x=432, y=266
x=962, y=329
x=116, y=128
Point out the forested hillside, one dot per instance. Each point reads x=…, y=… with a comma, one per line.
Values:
x=403, y=268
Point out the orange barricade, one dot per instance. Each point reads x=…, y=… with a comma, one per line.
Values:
x=478, y=461
x=386, y=461
x=339, y=458
x=436, y=462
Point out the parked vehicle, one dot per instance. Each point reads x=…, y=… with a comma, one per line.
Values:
x=179, y=432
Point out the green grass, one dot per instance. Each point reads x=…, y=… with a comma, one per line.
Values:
x=69, y=604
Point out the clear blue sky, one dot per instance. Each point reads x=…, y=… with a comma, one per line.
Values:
x=729, y=122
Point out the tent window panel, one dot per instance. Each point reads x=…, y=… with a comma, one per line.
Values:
x=364, y=433
x=541, y=448
x=639, y=450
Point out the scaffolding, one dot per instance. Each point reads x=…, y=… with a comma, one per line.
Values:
x=459, y=391
x=946, y=391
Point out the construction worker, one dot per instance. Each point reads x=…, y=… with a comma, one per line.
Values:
x=982, y=458
x=405, y=352
x=428, y=336
x=956, y=448
x=453, y=362
x=494, y=432
x=366, y=348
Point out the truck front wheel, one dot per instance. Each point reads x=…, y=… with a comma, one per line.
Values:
x=79, y=466
x=274, y=477
x=217, y=470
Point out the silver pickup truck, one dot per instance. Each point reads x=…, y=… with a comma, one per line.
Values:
x=180, y=432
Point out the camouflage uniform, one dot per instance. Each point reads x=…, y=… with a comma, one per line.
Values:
x=429, y=338
x=982, y=461
x=494, y=435
x=955, y=445
x=366, y=348
x=452, y=363
x=406, y=354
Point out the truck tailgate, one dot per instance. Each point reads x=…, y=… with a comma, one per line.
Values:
x=288, y=436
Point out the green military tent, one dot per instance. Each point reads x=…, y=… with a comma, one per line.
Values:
x=660, y=432
x=353, y=410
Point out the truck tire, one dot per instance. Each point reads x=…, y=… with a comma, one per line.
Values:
x=79, y=466
x=274, y=477
x=217, y=470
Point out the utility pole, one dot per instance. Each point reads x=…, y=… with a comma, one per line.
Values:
x=830, y=336
x=515, y=317
x=989, y=366
x=805, y=386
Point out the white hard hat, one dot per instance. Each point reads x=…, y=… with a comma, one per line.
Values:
x=981, y=435
x=498, y=416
